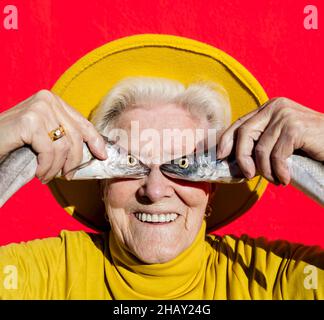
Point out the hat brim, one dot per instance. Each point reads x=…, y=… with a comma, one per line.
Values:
x=87, y=81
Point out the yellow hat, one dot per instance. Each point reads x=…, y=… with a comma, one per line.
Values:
x=86, y=82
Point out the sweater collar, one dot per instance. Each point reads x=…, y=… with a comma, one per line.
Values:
x=169, y=280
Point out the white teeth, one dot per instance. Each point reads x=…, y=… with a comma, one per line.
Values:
x=156, y=217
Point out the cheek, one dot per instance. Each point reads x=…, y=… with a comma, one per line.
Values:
x=194, y=195
x=119, y=192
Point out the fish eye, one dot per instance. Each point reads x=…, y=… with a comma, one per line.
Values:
x=131, y=161
x=183, y=163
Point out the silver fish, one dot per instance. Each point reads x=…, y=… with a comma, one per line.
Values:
x=306, y=174
x=19, y=167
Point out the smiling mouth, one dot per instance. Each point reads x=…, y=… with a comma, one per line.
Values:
x=156, y=218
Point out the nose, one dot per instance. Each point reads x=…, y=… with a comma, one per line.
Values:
x=156, y=186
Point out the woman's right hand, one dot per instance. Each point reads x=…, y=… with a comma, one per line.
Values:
x=30, y=122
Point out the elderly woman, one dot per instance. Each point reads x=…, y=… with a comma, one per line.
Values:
x=156, y=246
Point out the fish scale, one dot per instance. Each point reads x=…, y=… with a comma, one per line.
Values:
x=307, y=174
x=19, y=167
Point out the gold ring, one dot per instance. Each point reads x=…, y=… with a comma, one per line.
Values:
x=57, y=133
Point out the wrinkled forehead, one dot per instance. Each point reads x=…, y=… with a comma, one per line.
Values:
x=157, y=134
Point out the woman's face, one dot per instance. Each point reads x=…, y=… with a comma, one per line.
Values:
x=160, y=198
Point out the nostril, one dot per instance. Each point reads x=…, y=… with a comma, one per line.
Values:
x=142, y=198
x=155, y=187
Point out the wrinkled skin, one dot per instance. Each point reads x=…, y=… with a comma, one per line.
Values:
x=274, y=131
x=30, y=121
x=156, y=243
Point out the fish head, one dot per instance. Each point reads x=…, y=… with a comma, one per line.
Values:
x=203, y=167
x=128, y=165
x=185, y=167
x=119, y=164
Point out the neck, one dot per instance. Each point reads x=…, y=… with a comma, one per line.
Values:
x=174, y=277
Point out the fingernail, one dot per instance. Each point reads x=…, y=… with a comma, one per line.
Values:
x=100, y=147
x=219, y=153
x=248, y=174
x=223, y=152
x=69, y=176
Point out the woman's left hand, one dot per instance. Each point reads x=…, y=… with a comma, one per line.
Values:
x=274, y=131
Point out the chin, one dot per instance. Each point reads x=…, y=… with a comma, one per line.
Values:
x=154, y=243
x=162, y=255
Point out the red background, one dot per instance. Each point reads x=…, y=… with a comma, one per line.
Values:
x=267, y=37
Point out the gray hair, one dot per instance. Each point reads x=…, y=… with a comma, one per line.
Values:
x=201, y=99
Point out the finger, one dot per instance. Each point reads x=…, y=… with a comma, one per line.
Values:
x=283, y=149
x=263, y=151
x=61, y=148
x=42, y=144
x=89, y=133
x=244, y=149
x=75, y=154
x=73, y=135
x=45, y=161
x=226, y=142
x=248, y=133
x=75, y=140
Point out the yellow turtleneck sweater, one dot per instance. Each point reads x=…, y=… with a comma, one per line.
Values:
x=78, y=265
